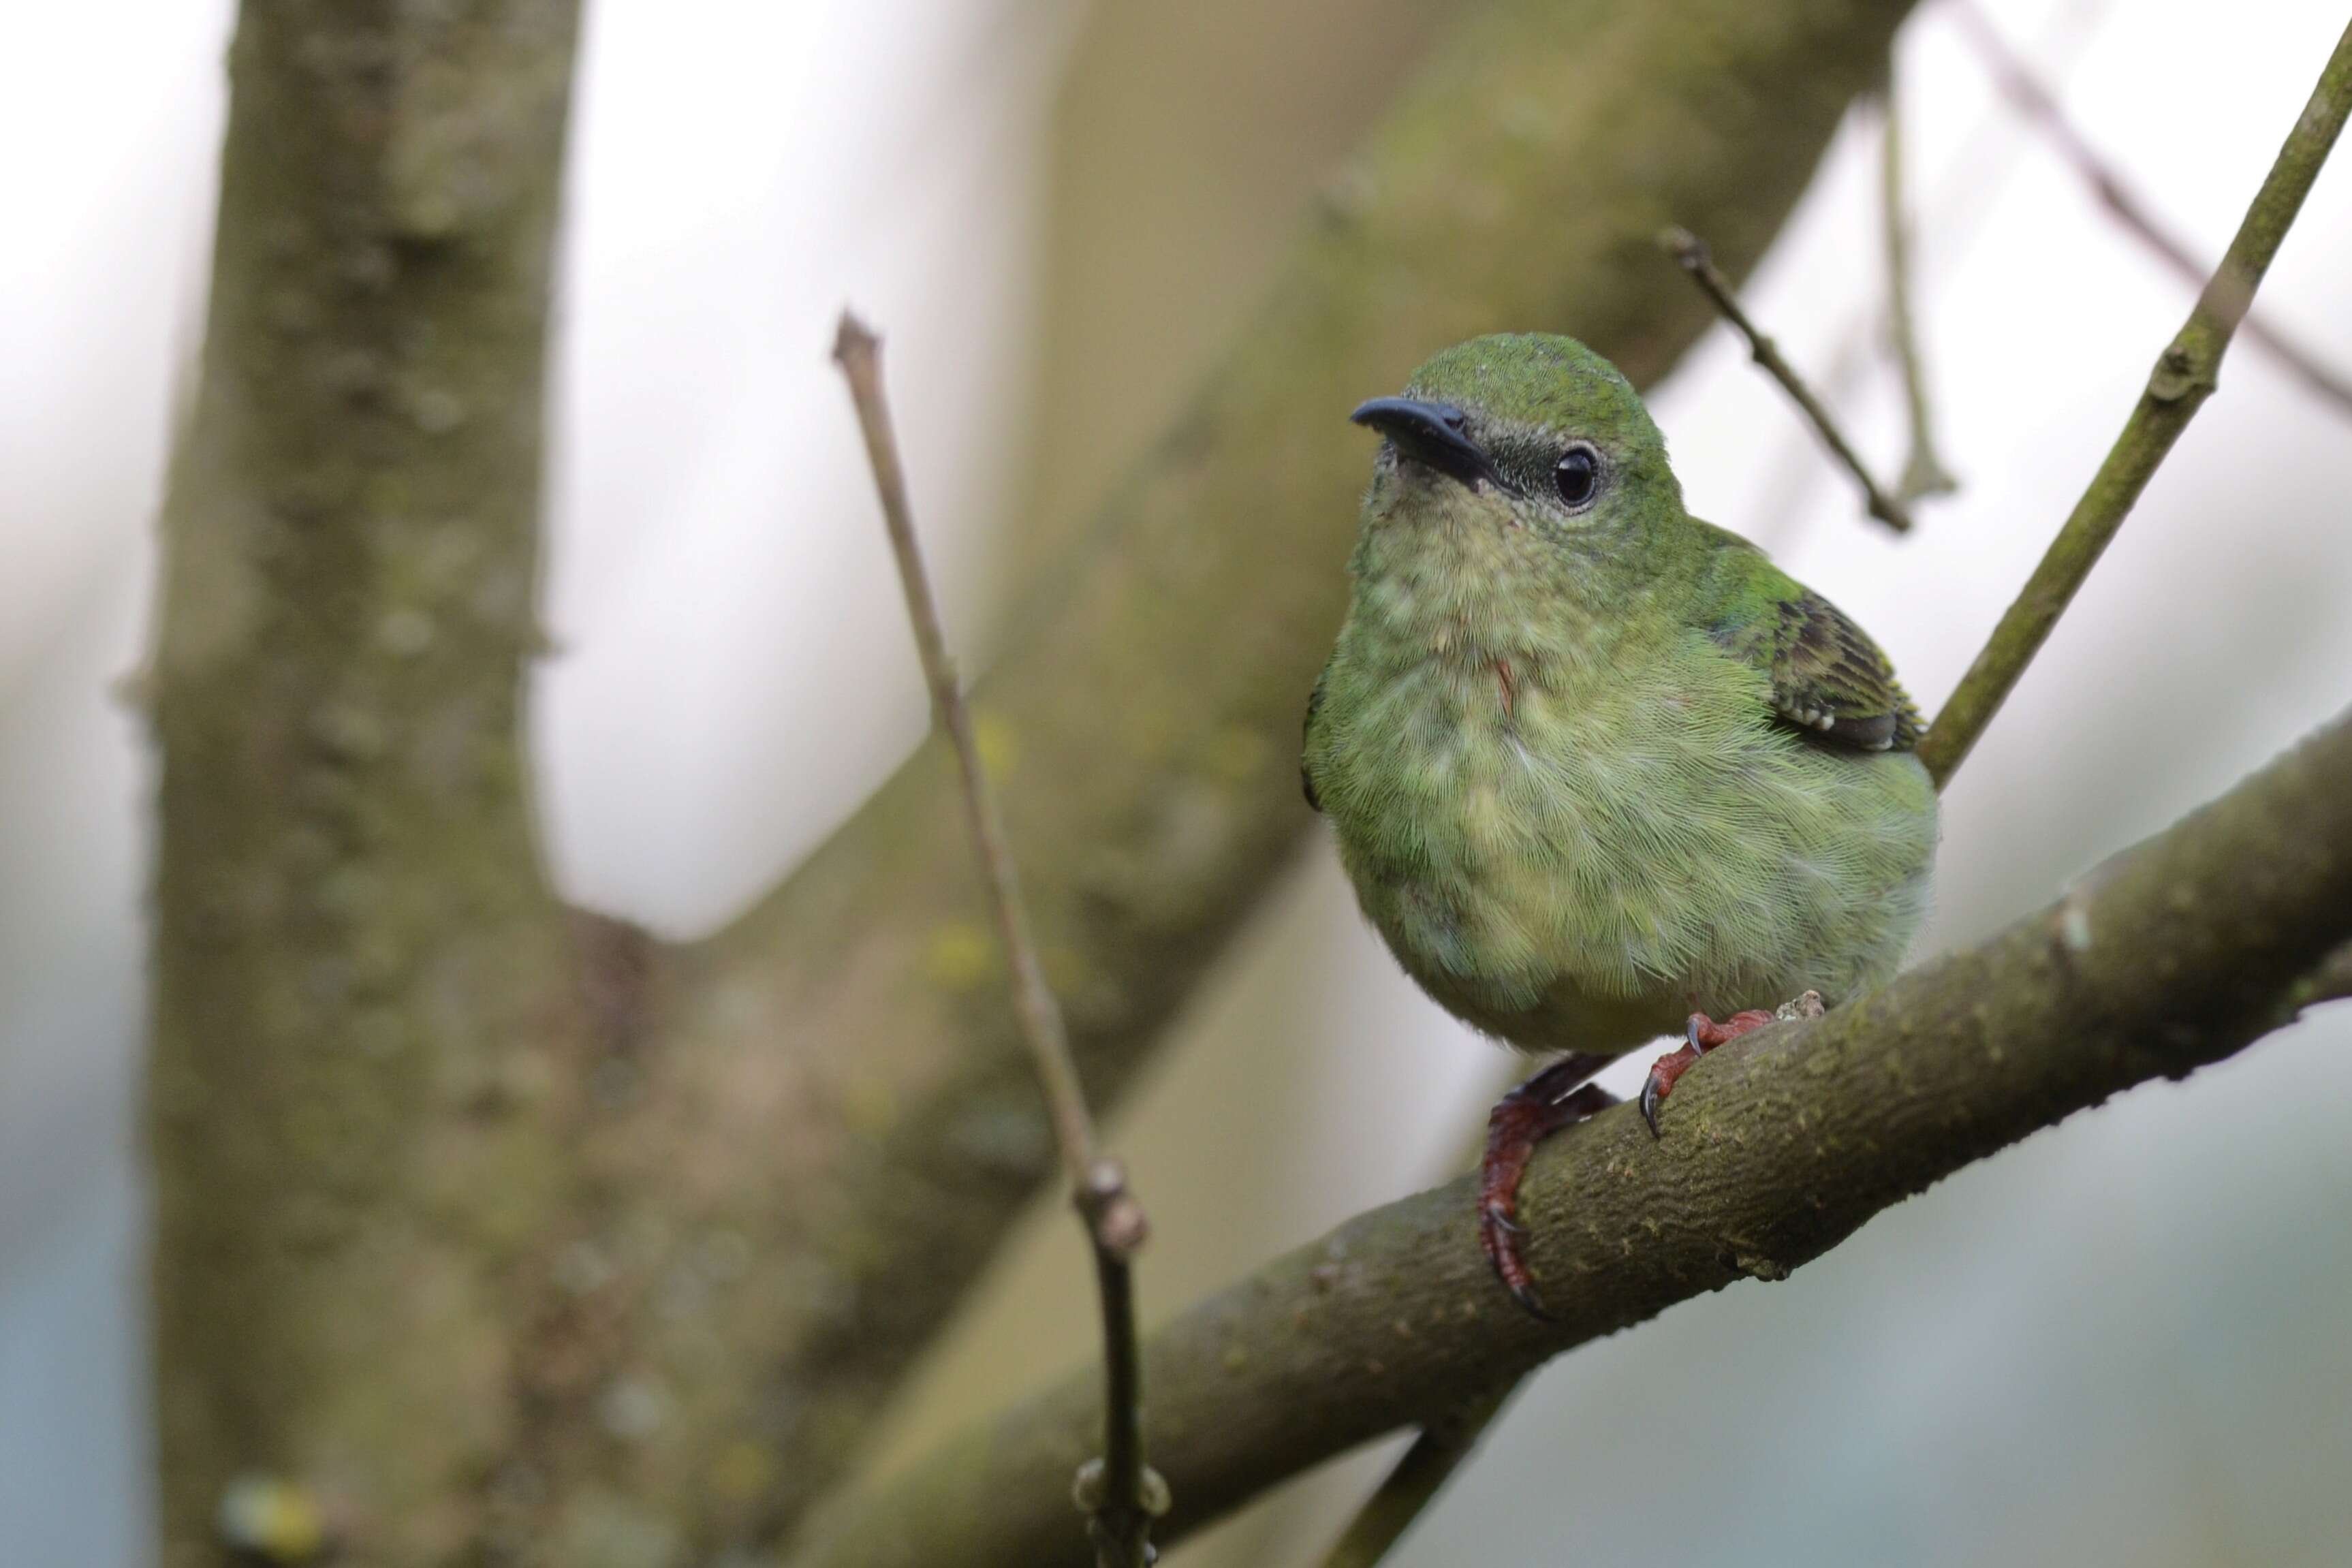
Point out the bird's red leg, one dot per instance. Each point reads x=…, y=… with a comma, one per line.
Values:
x=1700, y=1035
x=1522, y=1119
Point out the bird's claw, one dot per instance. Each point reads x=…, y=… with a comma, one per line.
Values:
x=1701, y=1035
x=1498, y=1235
x=1530, y=1302
x=1551, y=1099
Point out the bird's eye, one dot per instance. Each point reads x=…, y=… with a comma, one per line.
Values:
x=1578, y=475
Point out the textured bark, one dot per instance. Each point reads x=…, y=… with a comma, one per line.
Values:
x=368, y=1052
x=506, y=1235
x=1780, y=1146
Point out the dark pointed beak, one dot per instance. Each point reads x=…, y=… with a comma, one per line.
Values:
x=1431, y=433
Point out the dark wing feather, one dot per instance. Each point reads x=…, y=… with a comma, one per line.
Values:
x=1830, y=679
x=1830, y=682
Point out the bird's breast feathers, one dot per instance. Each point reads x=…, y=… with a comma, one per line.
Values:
x=1561, y=837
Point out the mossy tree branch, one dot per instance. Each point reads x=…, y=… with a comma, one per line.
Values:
x=2173, y=955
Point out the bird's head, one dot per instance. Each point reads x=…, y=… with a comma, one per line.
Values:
x=1525, y=430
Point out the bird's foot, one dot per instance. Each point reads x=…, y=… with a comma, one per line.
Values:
x=1701, y=1035
x=1552, y=1099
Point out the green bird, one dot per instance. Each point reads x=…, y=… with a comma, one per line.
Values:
x=1598, y=770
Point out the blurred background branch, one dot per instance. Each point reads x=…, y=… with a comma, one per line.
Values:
x=2176, y=955
x=2026, y=91
x=1438, y=1451
x=1690, y=253
x=1951, y=211
x=1924, y=474
x=2186, y=374
x=372, y=1044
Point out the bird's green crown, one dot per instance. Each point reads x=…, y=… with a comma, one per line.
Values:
x=1539, y=381
x=1529, y=397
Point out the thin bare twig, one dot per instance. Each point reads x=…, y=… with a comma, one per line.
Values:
x=1924, y=473
x=2185, y=376
x=2024, y=89
x=1119, y=1492
x=1690, y=252
x=1951, y=215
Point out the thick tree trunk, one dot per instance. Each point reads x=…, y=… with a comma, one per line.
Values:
x=368, y=1063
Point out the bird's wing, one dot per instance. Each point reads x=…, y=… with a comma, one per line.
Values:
x=1830, y=682
x=1314, y=706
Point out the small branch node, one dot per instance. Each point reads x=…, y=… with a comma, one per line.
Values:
x=1115, y=1219
x=2175, y=375
x=1088, y=1489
